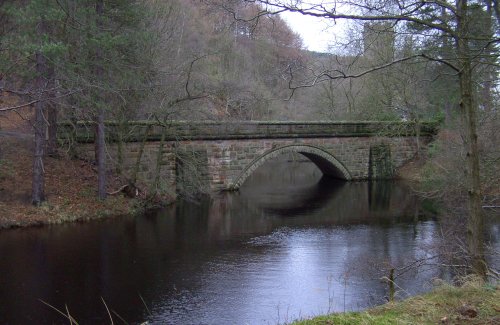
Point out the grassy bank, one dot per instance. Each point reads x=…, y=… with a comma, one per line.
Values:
x=472, y=303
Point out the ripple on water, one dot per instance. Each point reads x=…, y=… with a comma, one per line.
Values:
x=276, y=238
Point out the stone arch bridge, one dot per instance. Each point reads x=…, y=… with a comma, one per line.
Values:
x=221, y=155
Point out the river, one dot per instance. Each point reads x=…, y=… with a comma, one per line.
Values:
x=290, y=244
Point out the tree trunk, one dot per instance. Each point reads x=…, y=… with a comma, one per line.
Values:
x=159, y=157
x=101, y=155
x=489, y=75
x=51, y=117
x=119, y=145
x=417, y=133
x=469, y=113
x=37, y=189
x=137, y=165
x=100, y=138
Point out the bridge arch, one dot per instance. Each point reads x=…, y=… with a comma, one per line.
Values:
x=325, y=161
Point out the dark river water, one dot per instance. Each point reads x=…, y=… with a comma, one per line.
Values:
x=290, y=244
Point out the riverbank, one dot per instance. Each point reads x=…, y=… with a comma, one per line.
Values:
x=472, y=303
x=70, y=187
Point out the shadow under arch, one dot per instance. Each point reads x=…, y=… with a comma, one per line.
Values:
x=326, y=162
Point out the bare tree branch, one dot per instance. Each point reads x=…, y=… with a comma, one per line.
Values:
x=319, y=11
x=12, y=108
x=338, y=74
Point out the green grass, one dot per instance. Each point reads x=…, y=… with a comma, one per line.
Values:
x=440, y=306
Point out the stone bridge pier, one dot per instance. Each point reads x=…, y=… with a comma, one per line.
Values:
x=222, y=155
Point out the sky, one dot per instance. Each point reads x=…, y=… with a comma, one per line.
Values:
x=316, y=33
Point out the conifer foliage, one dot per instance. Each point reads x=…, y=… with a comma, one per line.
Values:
x=77, y=58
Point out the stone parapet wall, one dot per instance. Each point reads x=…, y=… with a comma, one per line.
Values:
x=211, y=130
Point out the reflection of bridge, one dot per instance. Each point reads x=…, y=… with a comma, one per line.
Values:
x=222, y=155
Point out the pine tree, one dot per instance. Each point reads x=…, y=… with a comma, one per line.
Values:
x=76, y=59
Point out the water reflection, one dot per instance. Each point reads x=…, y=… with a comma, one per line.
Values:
x=290, y=244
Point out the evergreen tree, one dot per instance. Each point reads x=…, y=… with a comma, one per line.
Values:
x=78, y=59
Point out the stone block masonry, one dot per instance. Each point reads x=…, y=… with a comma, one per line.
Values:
x=221, y=155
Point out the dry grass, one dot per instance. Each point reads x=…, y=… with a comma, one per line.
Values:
x=445, y=305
